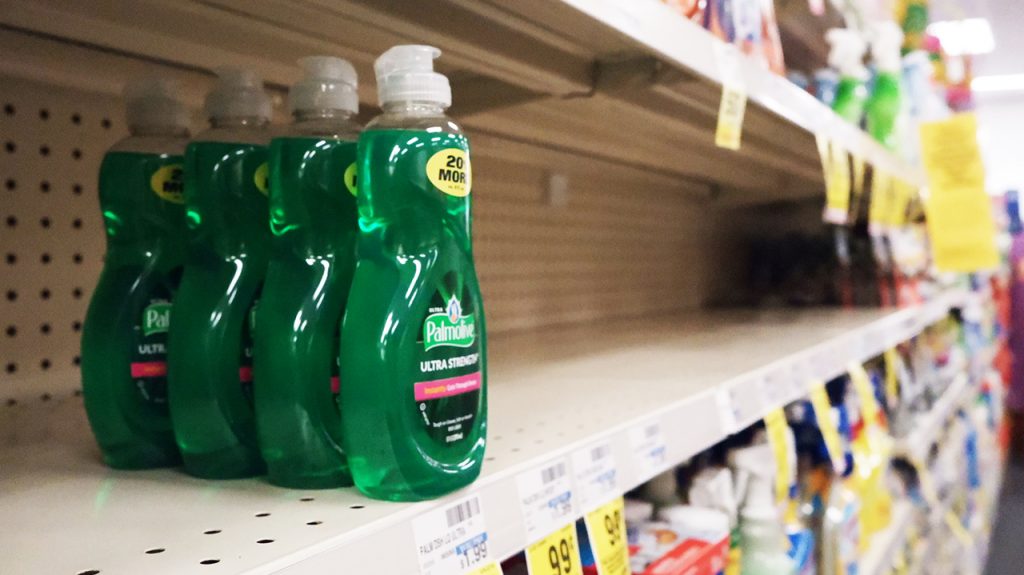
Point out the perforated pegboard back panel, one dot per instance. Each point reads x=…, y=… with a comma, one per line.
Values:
x=625, y=242
x=52, y=237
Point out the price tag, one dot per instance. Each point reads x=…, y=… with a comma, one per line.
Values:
x=733, y=106
x=823, y=413
x=545, y=496
x=775, y=423
x=452, y=539
x=836, y=166
x=892, y=381
x=596, y=475
x=727, y=412
x=869, y=403
x=490, y=569
x=649, y=450
x=775, y=387
x=799, y=375
x=606, y=528
x=556, y=554
x=879, y=208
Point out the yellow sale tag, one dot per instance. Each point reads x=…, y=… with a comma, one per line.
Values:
x=556, y=554
x=892, y=382
x=837, y=183
x=881, y=199
x=959, y=211
x=491, y=569
x=775, y=422
x=730, y=117
x=869, y=403
x=606, y=527
x=829, y=431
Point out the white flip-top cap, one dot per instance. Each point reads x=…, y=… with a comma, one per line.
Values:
x=329, y=84
x=155, y=102
x=406, y=74
x=238, y=93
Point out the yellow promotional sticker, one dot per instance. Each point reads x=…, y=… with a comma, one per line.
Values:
x=881, y=198
x=262, y=178
x=823, y=413
x=556, y=554
x=733, y=107
x=775, y=423
x=869, y=403
x=168, y=183
x=606, y=527
x=350, y=178
x=450, y=171
x=489, y=569
x=837, y=184
x=892, y=381
x=958, y=209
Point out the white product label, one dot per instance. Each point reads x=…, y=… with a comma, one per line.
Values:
x=596, y=475
x=545, y=496
x=649, y=450
x=452, y=539
x=727, y=413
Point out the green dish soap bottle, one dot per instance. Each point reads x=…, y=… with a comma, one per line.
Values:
x=847, y=56
x=413, y=347
x=228, y=239
x=886, y=101
x=312, y=258
x=124, y=352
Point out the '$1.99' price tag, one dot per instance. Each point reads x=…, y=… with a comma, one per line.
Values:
x=556, y=554
x=606, y=527
x=452, y=539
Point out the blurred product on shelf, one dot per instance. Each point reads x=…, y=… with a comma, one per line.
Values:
x=846, y=56
x=228, y=240
x=692, y=9
x=312, y=258
x=750, y=25
x=413, y=346
x=124, y=340
x=885, y=105
x=912, y=16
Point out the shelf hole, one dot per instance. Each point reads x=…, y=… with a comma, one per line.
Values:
x=12, y=221
x=211, y=532
x=45, y=329
x=77, y=223
x=12, y=295
x=11, y=259
x=44, y=150
x=307, y=499
x=76, y=189
x=45, y=222
x=209, y=561
x=45, y=364
x=76, y=154
x=497, y=438
x=264, y=514
x=45, y=258
x=76, y=326
x=77, y=393
x=76, y=361
x=11, y=402
x=357, y=507
x=44, y=114
x=9, y=109
x=155, y=551
x=76, y=118
x=515, y=450
x=76, y=293
x=10, y=146
x=89, y=572
x=12, y=367
x=77, y=258
x=45, y=293
x=265, y=541
x=105, y=123
x=488, y=459
x=11, y=184
x=12, y=331
x=314, y=522
x=44, y=186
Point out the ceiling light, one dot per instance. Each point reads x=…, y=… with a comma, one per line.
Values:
x=964, y=37
x=999, y=83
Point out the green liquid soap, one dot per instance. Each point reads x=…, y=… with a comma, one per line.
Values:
x=124, y=340
x=313, y=221
x=851, y=95
x=210, y=367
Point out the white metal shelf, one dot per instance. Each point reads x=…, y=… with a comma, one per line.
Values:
x=886, y=544
x=628, y=82
x=552, y=394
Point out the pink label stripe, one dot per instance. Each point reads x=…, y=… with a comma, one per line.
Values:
x=145, y=369
x=438, y=388
x=245, y=373
x=335, y=384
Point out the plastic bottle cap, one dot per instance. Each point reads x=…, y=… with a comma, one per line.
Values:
x=406, y=74
x=885, y=46
x=329, y=83
x=847, y=52
x=154, y=102
x=238, y=93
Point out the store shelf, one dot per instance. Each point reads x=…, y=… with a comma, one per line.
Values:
x=655, y=392
x=887, y=544
x=928, y=429
x=628, y=82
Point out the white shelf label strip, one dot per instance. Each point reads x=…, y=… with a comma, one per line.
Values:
x=546, y=498
x=649, y=450
x=451, y=539
x=597, y=476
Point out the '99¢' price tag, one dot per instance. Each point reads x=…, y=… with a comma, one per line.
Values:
x=556, y=554
x=606, y=528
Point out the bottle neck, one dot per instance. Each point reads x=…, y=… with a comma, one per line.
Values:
x=307, y=115
x=239, y=122
x=414, y=108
